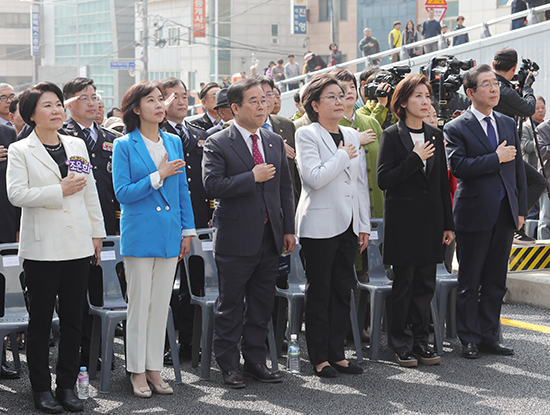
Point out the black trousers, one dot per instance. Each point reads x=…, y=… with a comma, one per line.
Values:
x=46, y=280
x=535, y=185
x=329, y=272
x=412, y=290
x=483, y=266
x=253, y=278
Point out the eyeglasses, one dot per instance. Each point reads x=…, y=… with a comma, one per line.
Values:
x=269, y=94
x=4, y=98
x=255, y=102
x=86, y=99
x=495, y=84
x=334, y=98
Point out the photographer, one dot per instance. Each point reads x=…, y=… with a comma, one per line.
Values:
x=378, y=106
x=514, y=105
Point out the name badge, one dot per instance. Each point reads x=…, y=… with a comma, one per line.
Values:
x=200, y=143
x=79, y=164
x=107, y=146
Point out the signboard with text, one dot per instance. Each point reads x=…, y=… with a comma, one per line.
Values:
x=439, y=6
x=199, y=22
x=35, y=29
x=122, y=65
x=298, y=11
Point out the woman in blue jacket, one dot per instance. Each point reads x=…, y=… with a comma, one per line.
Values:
x=156, y=228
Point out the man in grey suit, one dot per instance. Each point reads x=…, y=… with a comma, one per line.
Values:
x=245, y=170
x=490, y=202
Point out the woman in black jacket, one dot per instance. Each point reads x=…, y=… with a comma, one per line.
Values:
x=412, y=169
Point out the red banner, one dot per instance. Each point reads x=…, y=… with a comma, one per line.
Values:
x=199, y=23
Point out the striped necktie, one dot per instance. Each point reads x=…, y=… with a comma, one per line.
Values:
x=183, y=134
x=88, y=139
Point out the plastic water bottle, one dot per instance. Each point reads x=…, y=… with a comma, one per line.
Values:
x=83, y=384
x=294, y=354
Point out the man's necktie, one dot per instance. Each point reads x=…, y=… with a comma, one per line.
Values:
x=491, y=133
x=258, y=159
x=88, y=138
x=267, y=126
x=183, y=134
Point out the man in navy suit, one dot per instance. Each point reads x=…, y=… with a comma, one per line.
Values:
x=489, y=204
x=245, y=170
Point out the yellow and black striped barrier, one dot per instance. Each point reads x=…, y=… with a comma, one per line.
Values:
x=523, y=258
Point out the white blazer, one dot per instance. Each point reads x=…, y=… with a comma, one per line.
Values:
x=53, y=227
x=334, y=191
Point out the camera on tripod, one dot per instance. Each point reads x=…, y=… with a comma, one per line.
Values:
x=444, y=75
x=523, y=73
x=391, y=77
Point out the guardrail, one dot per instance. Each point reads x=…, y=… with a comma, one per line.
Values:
x=403, y=50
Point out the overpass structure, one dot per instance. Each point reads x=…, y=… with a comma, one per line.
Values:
x=531, y=42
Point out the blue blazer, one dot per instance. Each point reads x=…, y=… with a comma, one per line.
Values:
x=152, y=221
x=479, y=174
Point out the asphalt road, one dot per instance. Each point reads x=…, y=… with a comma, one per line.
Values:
x=518, y=384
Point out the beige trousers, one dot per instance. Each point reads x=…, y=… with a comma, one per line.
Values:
x=149, y=289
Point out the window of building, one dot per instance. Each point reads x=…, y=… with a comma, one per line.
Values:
x=274, y=30
x=15, y=20
x=15, y=52
x=325, y=10
x=174, y=36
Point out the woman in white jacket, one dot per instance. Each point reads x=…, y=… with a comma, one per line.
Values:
x=331, y=218
x=50, y=177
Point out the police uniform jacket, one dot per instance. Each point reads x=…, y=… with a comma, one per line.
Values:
x=101, y=158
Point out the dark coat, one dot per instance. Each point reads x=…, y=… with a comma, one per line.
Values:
x=241, y=202
x=202, y=205
x=480, y=175
x=417, y=206
x=9, y=214
x=203, y=122
x=101, y=159
x=511, y=103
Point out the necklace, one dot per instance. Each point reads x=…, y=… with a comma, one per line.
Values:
x=53, y=148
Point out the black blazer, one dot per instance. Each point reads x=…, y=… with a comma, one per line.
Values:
x=479, y=174
x=101, y=158
x=202, y=205
x=203, y=122
x=417, y=206
x=241, y=202
x=286, y=129
x=9, y=214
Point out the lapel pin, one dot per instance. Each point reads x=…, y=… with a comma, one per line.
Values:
x=270, y=145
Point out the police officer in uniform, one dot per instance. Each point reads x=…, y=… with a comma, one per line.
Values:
x=81, y=99
x=193, y=139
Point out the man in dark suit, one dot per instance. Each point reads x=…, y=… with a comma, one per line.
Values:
x=81, y=99
x=245, y=170
x=208, y=101
x=489, y=204
x=193, y=139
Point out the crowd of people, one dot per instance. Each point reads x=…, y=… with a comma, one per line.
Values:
x=259, y=180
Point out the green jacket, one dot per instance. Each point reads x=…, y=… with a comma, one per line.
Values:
x=379, y=112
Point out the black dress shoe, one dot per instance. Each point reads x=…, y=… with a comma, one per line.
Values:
x=233, y=378
x=7, y=373
x=350, y=369
x=496, y=348
x=406, y=359
x=425, y=354
x=470, y=351
x=68, y=400
x=261, y=373
x=45, y=402
x=326, y=372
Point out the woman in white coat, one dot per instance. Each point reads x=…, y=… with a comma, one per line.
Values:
x=50, y=177
x=331, y=218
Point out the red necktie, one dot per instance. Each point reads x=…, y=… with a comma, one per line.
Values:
x=258, y=159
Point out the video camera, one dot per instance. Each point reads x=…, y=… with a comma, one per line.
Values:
x=391, y=77
x=444, y=76
x=526, y=67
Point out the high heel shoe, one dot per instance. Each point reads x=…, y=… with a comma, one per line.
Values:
x=143, y=392
x=161, y=388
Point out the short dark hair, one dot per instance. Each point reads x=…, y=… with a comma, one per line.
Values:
x=15, y=101
x=367, y=72
x=171, y=82
x=404, y=90
x=77, y=84
x=297, y=98
x=313, y=91
x=290, y=56
x=30, y=97
x=264, y=80
x=344, y=75
x=208, y=87
x=236, y=90
x=330, y=46
x=132, y=99
x=470, y=77
x=110, y=112
x=277, y=88
x=279, y=61
x=505, y=59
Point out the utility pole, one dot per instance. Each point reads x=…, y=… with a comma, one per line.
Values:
x=335, y=22
x=145, y=43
